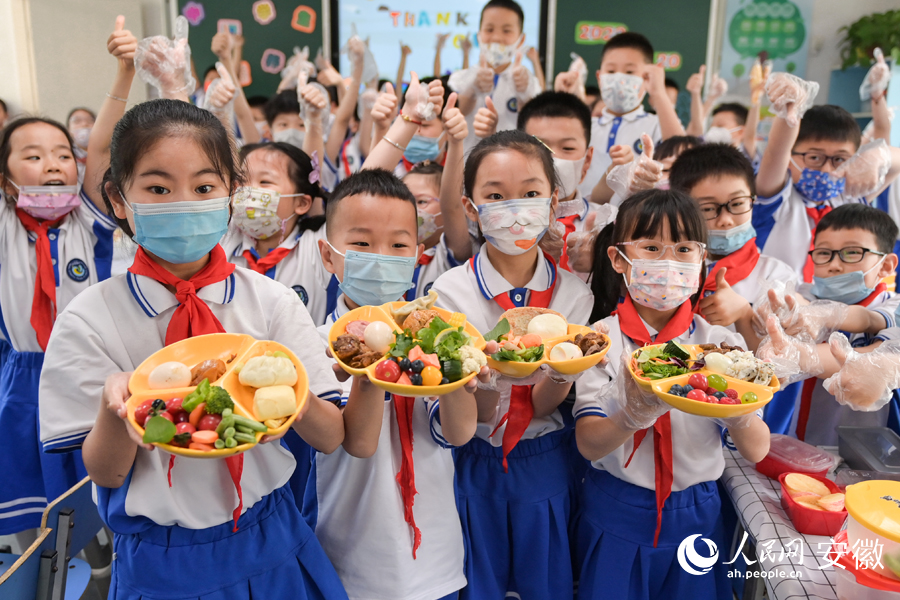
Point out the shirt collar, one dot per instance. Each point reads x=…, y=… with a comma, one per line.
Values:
x=339, y=311
x=607, y=117
x=248, y=243
x=154, y=298
x=492, y=283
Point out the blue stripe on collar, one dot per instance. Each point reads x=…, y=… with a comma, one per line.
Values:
x=480, y=279
x=229, y=289
x=139, y=297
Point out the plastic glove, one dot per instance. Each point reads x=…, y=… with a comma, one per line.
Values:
x=557, y=377
x=718, y=87
x=423, y=102
x=816, y=320
x=297, y=64
x=876, y=81
x=552, y=242
x=313, y=99
x=320, y=61
x=454, y=121
x=627, y=404
x=865, y=381
x=370, y=68
x=790, y=96
x=366, y=102
x=580, y=244
x=484, y=77
x=759, y=74
x=219, y=98
x=485, y=122
x=641, y=174
x=792, y=358
x=496, y=381
x=865, y=171
x=771, y=301
x=166, y=64
x=356, y=52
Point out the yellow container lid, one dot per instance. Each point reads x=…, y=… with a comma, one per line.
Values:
x=876, y=506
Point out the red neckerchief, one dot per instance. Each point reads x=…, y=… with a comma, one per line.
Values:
x=43, y=305
x=810, y=384
x=739, y=264
x=630, y=324
x=425, y=259
x=816, y=214
x=409, y=166
x=268, y=261
x=569, y=224
x=193, y=317
x=521, y=410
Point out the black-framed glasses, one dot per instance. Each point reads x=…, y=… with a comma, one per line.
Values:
x=850, y=255
x=736, y=206
x=817, y=160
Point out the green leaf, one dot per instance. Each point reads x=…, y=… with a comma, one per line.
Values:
x=426, y=335
x=403, y=343
x=159, y=430
x=501, y=329
x=448, y=347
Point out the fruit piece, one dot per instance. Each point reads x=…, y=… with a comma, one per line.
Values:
x=142, y=412
x=717, y=362
x=416, y=366
x=197, y=414
x=799, y=482
x=431, y=376
x=804, y=495
x=404, y=379
x=565, y=351
x=445, y=381
x=274, y=402
x=208, y=423
x=718, y=394
x=167, y=415
x=416, y=378
x=378, y=336
x=530, y=340
x=169, y=375
x=811, y=506
x=698, y=381
x=832, y=502
x=729, y=400
x=717, y=382
x=431, y=360
x=732, y=393
x=185, y=428
x=405, y=364
x=415, y=353
x=749, y=398
x=712, y=399
x=387, y=370
x=180, y=417
x=697, y=395
x=676, y=390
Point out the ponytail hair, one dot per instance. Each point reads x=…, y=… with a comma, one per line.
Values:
x=643, y=216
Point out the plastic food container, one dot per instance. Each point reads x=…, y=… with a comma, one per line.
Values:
x=845, y=477
x=808, y=521
x=870, y=448
x=874, y=508
x=790, y=455
x=859, y=584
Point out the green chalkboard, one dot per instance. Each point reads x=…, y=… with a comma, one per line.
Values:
x=677, y=28
x=295, y=23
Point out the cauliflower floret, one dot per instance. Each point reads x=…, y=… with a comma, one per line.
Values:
x=472, y=359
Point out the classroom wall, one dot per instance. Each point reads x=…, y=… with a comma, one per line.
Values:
x=17, y=87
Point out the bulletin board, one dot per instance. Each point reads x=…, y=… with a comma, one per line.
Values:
x=677, y=29
x=271, y=29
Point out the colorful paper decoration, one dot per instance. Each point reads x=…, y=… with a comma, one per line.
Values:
x=232, y=26
x=304, y=19
x=592, y=33
x=669, y=61
x=244, y=75
x=193, y=12
x=264, y=11
x=775, y=27
x=272, y=60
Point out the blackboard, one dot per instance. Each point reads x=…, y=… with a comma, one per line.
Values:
x=281, y=33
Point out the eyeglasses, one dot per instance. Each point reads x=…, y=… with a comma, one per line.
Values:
x=426, y=200
x=736, y=206
x=850, y=255
x=653, y=250
x=817, y=160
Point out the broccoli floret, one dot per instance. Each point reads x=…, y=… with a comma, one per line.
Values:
x=218, y=400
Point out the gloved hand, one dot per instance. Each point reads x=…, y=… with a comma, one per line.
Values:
x=790, y=96
x=718, y=87
x=552, y=242
x=166, y=64
x=370, y=68
x=792, y=358
x=641, y=174
x=313, y=99
x=865, y=171
x=865, y=381
x=580, y=244
x=485, y=123
x=876, y=82
x=815, y=321
x=423, y=102
x=772, y=301
x=573, y=80
x=219, y=98
x=484, y=77
x=759, y=74
x=366, y=102
x=627, y=404
x=298, y=71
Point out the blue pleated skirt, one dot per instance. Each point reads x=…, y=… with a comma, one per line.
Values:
x=615, y=542
x=515, y=525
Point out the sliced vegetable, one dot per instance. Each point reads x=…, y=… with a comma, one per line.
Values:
x=452, y=369
x=250, y=423
x=219, y=445
x=204, y=437
x=245, y=438
x=197, y=414
x=197, y=396
x=202, y=447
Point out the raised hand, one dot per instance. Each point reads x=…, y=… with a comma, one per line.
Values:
x=790, y=96
x=520, y=74
x=485, y=122
x=122, y=44
x=454, y=121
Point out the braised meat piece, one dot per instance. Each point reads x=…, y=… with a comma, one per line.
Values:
x=346, y=346
x=590, y=343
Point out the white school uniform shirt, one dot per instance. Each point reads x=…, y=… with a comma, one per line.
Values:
x=359, y=512
x=301, y=270
x=506, y=99
x=784, y=229
x=113, y=327
x=440, y=259
x=825, y=414
x=767, y=269
x=609, y=130
x=696, y=441
x=81, y=248
x=471, y=291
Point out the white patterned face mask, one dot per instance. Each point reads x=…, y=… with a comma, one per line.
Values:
x=514, y=226
x=621, y=92
x=256, y=212
x=662, y=284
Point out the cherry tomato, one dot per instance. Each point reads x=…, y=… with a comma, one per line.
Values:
x=387, y=370
x=431, y=376
x=209, y=422
x=142, y=412
x=698, y=381
x=184, y=428
x=749, y=398
x=732, y=393
x=167, y=415
x=729, y=400
x=698, y=395
x=180, y=417
x=717, y=382
x=174, y=406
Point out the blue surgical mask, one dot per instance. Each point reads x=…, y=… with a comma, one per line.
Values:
x=725, y=241
x=180, y=232
x=421, y=148
x=375, y=279
x=818, y=186
x=847, y=288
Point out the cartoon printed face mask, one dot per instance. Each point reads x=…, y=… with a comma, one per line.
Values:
x=255, y=212
x=662, y=284
x=514, y=226
x=818, y=186
x=621, y=92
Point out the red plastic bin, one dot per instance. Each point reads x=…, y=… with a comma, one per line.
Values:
x=807, y=520
x=790, y=455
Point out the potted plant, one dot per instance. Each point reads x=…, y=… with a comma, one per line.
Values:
x=879, y=30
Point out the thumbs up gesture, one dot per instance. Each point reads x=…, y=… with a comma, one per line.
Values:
x=865, y=380
x=485, y=123
x=385, y=108
x=219, y=97
x=876, y=82
x=790, y=96
x=484, y=79
x=724, y=306
x=166, y=64
x=454, y=121
x=122, y=44
x=642, y=174
x=520, y=74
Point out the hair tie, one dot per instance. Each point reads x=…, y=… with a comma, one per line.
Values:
x=314, y=174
